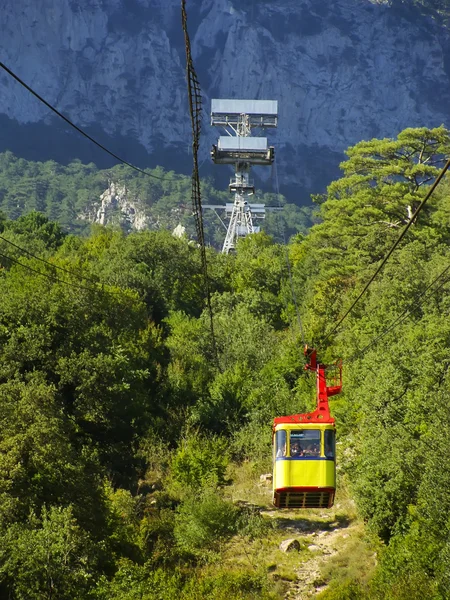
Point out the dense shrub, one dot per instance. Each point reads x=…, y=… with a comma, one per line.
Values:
x=139, y=582
x=202, y=522
x=348, y=590
x=200, y=462
x=228, y=585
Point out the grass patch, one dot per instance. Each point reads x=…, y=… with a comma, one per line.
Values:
x=247, y=487
x=226, y=584
x=351, y=568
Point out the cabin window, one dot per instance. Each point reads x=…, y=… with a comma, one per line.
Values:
x=280, y=443
x=305, y=442
x=330, y=443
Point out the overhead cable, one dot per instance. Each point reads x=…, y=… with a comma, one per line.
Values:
x=388, y=255
x=409, y=309
x=69, y=272
x=53, y=277
x=86, y=135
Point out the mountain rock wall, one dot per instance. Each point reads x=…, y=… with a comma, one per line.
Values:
x=341, y=70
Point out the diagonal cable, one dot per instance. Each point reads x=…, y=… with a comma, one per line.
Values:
x=388, y=255
x=408, y=310
x=46, y=262
x=86, y=135
x=53, y=277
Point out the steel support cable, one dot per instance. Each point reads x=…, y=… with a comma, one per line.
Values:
x=100, y=286
x=388, y=255
x=46, y=262
x=86, y=135
x=54, y=278
x=288, y=262
x=195, y=110
x=399, y=413
x=195, y=107
x=408, y=310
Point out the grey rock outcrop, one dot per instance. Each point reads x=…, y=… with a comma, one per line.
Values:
x=117, y=207
x=342, y=70
x=290, y=545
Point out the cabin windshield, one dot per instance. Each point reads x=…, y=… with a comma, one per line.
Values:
x=305, y=442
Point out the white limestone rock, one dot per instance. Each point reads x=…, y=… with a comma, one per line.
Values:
x=116, y=206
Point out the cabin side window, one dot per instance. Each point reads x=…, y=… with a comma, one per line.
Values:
x=330, y=443
x=305, y=442
x=280, y=443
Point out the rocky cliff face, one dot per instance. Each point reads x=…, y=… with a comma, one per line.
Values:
x=342, y=71
x=116, y=206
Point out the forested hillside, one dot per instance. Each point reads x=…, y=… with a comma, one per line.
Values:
x=121, y=432
x=152, y=199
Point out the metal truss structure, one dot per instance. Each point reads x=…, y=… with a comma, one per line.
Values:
x=240, y=148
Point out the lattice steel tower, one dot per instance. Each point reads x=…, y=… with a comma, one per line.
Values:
x=238, y=117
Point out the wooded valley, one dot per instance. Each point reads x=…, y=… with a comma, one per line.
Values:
x=122, y=432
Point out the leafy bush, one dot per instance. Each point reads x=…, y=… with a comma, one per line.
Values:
x=224, y=410
x=252, y=525
x=157, y=537
x=226, y=585
x=202, y=522
x=348, y=590
x=199, y=462
x=407, y=586
x=155, y=452
x=253, y=442
x=139, y=582
x=46, y=558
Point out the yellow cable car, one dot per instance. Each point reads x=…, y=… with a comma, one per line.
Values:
x=304, y=472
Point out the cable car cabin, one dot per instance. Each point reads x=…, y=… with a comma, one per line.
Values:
x=304, y=464
x=304, y=450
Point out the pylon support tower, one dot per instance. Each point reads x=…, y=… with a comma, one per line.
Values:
x=240, y=148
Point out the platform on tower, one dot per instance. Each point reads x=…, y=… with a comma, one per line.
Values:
x=261, y=113
x=253, y=150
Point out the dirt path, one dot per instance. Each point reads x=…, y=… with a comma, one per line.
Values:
x=324, y=544
x=324, y=539
x=333, y=543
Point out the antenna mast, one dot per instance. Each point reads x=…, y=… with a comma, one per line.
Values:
x=238, y=147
